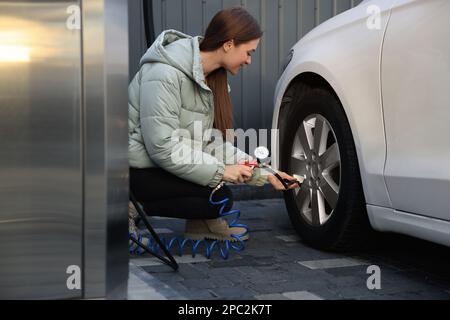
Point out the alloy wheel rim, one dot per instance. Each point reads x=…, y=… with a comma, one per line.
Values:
x=315, y=156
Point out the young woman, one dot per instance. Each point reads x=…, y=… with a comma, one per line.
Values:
x=182, y=87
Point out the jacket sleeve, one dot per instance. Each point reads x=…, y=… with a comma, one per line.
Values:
x=230, y=155
x=160, y=103
x=224, y=151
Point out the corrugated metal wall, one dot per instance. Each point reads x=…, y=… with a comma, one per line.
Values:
x=137, y=44
x=283, y=22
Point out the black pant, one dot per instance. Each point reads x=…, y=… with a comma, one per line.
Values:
x=164, y=194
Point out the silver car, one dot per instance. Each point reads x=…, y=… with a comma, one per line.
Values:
x=363, y=112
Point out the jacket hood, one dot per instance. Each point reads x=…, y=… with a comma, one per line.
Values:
x=180, y=51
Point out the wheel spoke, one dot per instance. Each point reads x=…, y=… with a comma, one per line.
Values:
x=315, y=209
x=322, y=210
x=330, y=158
x=320, y=136
x=298, y=166
x=304, y=140
x=330, y=192
x=303, y=199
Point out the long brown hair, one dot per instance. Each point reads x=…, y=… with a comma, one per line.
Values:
x=229, y=24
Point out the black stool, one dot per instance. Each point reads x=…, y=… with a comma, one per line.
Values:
x=170, y=261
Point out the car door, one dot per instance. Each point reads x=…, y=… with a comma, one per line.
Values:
x=415, y=73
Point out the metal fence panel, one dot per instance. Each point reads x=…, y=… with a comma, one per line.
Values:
x=284, y=22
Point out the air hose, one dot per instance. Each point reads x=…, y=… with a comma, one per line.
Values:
x=181, y=243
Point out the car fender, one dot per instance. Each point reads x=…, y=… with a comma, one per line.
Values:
x=347, y=55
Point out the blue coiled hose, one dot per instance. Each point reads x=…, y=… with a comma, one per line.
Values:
x=181, y=243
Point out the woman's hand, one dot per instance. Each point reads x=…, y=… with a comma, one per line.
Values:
x=237, y=173
x=277, y=183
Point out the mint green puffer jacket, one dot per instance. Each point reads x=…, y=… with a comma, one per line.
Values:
x=168, y=98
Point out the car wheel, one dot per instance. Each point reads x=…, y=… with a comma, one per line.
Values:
x=328, y=211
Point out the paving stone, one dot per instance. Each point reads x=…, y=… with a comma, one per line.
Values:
x=145, y=286
x=204, y=267
x=353, y=292
x=199, y=283
x=268, y=267
x=158, y=269
x=144, y=294
x=179, y=288
x=302, y=252
x=405, y=285
x=204, y=294
x=289, y=238
x=191, y=260
x=249, y=261
x=189, y=272
x=224, y=281
x=146, y=262
x=271, y=296
x=217, y=272
x=185, y=271
x=234, y=293
x=419, y=295
x=346, y=281
x=301, y=295
x=278, y=286
x=332, y=263
x=169, y=277
x=275, y=273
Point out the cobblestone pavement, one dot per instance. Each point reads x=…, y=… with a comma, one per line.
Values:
x=277, y=265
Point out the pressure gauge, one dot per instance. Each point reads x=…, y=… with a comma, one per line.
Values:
x=261, y=153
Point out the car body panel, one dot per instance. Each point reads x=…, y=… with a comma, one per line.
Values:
x=416, y=103
x=347, y=35
x=341, y=45
x=390, y=220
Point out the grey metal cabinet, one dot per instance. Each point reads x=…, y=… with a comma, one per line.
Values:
x=63, y=148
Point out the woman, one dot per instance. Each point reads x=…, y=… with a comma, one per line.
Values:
x=181, y=87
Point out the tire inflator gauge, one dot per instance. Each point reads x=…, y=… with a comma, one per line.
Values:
x=286, y=182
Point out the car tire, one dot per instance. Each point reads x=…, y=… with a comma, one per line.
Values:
x=335, y=217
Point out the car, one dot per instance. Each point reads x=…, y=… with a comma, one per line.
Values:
x=363, y=113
